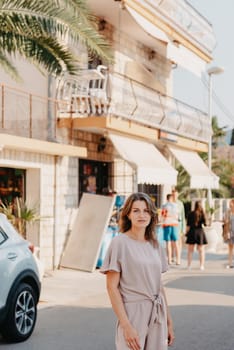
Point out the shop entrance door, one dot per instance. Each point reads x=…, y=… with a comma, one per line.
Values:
x=94, y=176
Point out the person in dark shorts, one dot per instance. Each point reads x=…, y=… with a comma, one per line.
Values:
x=195, y=234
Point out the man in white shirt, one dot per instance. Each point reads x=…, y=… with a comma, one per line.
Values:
x=181, y=218
x=170, y=224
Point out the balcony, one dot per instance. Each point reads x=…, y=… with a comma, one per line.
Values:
x=184, y=18
x=159, y=24
x=97, y=93
x=26, y=115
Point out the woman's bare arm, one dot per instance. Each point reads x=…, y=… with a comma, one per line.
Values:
x=130, y=334
x=171, y=335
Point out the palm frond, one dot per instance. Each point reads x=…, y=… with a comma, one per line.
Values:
x=44, y=51
x=8, y=66
x=64, y=17
x=49, y=30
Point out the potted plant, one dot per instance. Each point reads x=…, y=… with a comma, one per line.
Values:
x=210, y=213
x=19, y=214
x=211, y=230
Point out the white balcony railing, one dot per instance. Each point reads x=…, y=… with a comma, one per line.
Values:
x=131, y=100
x=134, y=101
x=97, y=93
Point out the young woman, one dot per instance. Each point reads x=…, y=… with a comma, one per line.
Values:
x=195, y=234
x=229, y=221
x=133, y=266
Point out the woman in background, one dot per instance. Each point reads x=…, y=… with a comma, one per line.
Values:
x=229, y=234
x=195, y=234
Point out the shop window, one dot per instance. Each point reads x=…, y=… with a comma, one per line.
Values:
x=94, y=177
x=154, y=191
x=12, y=184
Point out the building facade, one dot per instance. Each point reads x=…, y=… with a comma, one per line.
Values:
x=112, y=127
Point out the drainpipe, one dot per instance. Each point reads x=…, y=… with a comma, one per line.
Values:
x=50, y=116
x=55, y=213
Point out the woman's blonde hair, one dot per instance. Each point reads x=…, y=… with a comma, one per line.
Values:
x=125, y=224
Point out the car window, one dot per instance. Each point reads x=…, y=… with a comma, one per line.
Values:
x=3, y=236
x=9, y=228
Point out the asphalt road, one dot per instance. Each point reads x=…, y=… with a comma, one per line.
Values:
x=75, y=314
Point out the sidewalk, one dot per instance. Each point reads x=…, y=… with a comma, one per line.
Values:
x=201, y=304
x=67, y=286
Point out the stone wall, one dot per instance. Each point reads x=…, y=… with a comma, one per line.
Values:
x=51, y=186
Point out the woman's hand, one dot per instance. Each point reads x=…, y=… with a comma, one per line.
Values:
x=170, y=335
x=131, y=337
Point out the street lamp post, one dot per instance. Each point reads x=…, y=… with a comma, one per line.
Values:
x=211, y=71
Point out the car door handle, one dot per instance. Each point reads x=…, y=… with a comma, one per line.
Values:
x=12, y=256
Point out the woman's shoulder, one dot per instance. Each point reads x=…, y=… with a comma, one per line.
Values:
x=118, y=243
x=119, y=239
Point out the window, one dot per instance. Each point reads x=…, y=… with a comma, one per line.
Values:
x=12, y=184
x=3, y=236
x=94, y=176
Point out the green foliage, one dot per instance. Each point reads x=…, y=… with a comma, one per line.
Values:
x=45, y=33
x=223, y=168
x=218, y=133
x=232, y=138
x=209, y=210
x=19, y=214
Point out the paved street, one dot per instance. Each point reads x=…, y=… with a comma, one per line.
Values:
x=74, y=311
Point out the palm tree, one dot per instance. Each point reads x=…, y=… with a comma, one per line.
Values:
x=225, y=170
x=44, y=32
x=218, y=133
x=232, y=138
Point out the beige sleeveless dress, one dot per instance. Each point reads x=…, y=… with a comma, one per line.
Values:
x=140, y=266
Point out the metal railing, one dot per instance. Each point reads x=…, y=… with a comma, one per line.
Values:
x=33, y=116
x=25, y=114
x=133, y=100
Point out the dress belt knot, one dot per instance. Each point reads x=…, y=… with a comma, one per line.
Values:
x=156, y=313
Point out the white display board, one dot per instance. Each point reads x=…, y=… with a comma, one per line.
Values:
x=87, y=232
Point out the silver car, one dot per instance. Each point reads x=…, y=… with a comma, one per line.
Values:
x=20, y=284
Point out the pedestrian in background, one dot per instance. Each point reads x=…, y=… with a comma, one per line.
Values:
x=195, y=234
x=229, y=232
x=170, y=226
x=133, y=266
x=181, y=219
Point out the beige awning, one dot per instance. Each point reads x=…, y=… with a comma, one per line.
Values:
x=37, y=146
x=200, y=175
x=178, y=54
x=148, y=27
x=150, y=165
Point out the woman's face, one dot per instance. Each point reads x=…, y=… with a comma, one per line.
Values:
x=139, y=214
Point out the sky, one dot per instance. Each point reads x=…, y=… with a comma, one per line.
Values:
x=189, y=88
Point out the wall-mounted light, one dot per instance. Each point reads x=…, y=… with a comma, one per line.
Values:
x=174, y=65
x=101, y=144
x=151, y=54
x=102, y=24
